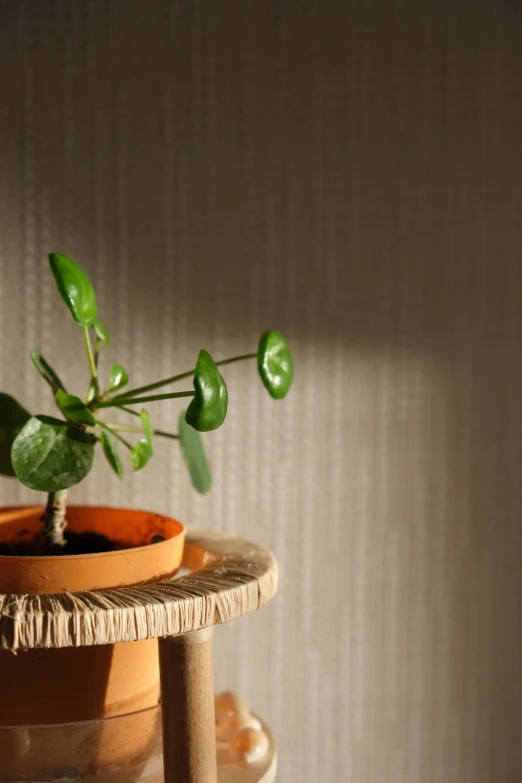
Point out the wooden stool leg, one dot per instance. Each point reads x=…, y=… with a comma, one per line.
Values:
x=187, y=696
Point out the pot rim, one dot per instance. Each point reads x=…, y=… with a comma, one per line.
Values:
x=31, y=510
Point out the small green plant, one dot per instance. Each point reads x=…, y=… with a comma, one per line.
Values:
x=51, y=454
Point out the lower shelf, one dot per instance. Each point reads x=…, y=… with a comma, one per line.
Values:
x=126, y=749
x=263, y=771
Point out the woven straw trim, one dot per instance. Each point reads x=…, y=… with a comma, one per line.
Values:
x=230, y=577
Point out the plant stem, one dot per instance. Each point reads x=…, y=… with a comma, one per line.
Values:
x=53, y=519
x=164, y=434
x=129, y=410
x=242, y=358
x=91, y=360
x=97, y=347
x=156, y=432
x=121, y=427
x=154, y=398
x=166, y=381
x=153, y=386
x=111, y=428
x=91, y=391
x=137, y=430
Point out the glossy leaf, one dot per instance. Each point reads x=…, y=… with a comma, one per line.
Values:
x=193, y=452
x=46, y=371
x=119, y=377
x=140, y=454
x=74, y=409
x=49, y=455
x=101, y=331
x=12, y=418
x=208, y=409
x=147, y=428
x=111, y=454
x=75, y=288
x=274, y=363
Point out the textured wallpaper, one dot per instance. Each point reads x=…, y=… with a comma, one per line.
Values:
x=350, y=173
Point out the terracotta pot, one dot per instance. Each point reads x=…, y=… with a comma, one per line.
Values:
x=82, y=684
x=141, y=562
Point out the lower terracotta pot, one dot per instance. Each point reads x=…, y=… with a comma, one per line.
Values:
x=83, y=684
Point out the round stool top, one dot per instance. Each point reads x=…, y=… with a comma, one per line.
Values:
x=229, y=578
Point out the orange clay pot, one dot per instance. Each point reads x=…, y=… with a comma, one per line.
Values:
x=79, y=684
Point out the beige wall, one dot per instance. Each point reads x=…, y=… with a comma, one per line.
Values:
x=349, y=172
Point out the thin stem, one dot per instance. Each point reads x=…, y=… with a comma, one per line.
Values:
x=129, y=410
x=53, y=519
x=114, y=403
x=97, y=348
x=164, y=434
x=242, y=358
x=111, y=429
x=137, y=430
x=156, y=432
x=121, y=427
x=91, y=360
x=180, y=377
x=153, y=386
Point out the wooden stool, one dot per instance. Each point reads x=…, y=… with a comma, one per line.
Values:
x=228, y=578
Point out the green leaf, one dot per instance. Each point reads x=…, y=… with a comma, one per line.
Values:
x=75, y=288
x=101, y=331
x=140, y=454
x=193, y=452
x=12, y=418
x=119, y=377
x=46, y=371
x=147, y=428
x=208, y=409
x=74, y=409
x=274, y=363
x=49, y=455
x=111, y=454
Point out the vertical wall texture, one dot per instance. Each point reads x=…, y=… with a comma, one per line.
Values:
x=348, y=172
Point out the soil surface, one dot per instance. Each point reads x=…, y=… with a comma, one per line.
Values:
x=75, y=544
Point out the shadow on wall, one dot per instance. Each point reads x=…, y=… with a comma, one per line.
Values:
x=352, y=178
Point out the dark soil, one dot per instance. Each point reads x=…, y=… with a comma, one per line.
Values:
x=76, y=544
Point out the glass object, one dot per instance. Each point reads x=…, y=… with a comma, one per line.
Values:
x=122, y=749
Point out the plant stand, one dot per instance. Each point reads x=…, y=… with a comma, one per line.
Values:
x=228, y=578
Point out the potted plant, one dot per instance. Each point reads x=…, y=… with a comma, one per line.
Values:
x=60, y=548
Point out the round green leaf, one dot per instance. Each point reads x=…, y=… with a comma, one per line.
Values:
x=119, y=377
x=12, y=418
x=49, y=455
x=46, y=371
x=208, y=409
x=75, y=288
x=147, y=428
x=193, y=453
x=111, y=454
x=140, y=454
x=74, y=409
x=101, y=331
x=275, y=365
